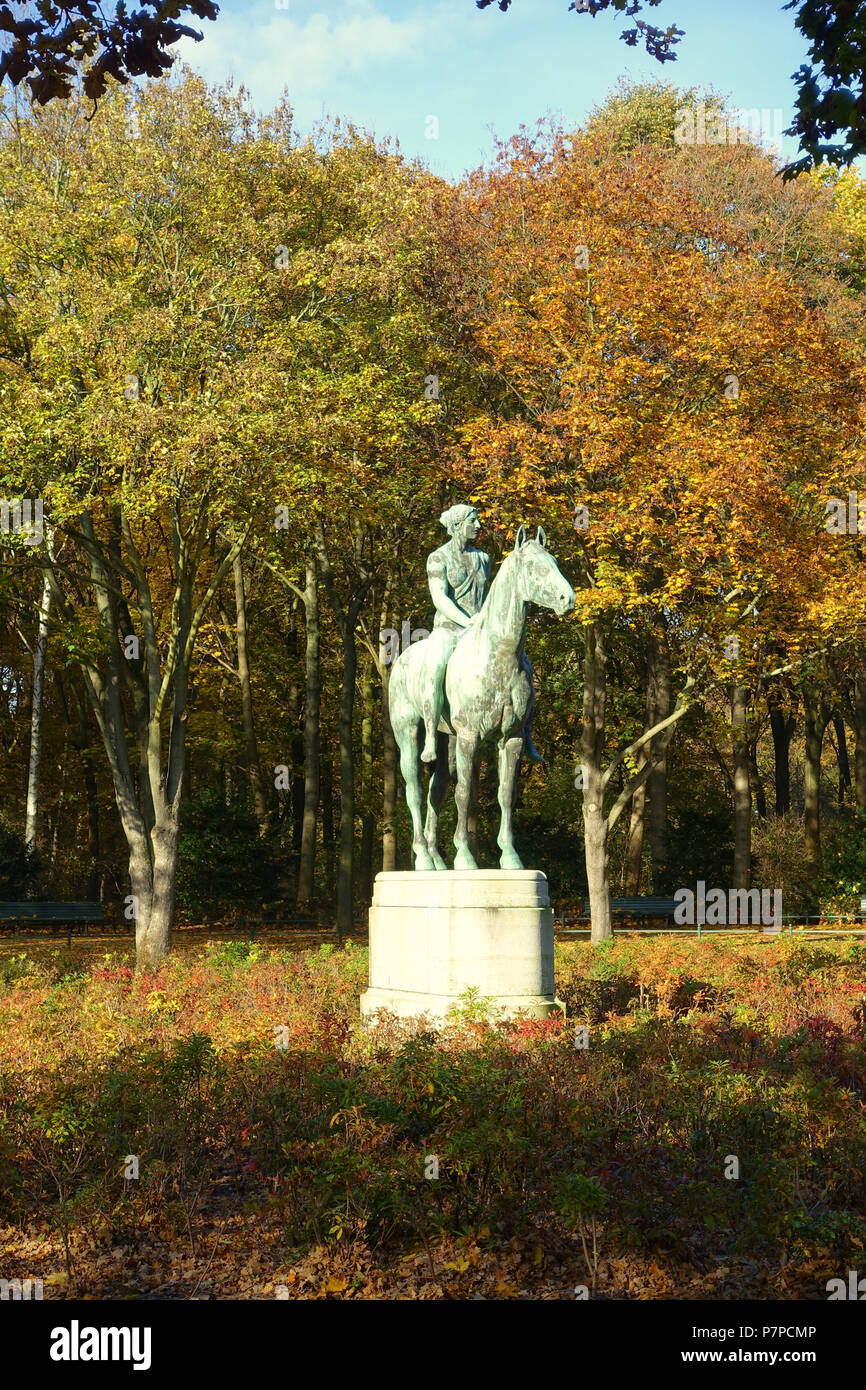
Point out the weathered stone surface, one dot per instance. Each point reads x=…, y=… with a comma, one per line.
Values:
x=435, y=934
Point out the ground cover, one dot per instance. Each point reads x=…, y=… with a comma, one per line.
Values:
x=695, y=1128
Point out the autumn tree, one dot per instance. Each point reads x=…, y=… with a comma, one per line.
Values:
x=53, y=47
x=830, y=101
x=134, y=273
x=350, y=407
x=651, y=373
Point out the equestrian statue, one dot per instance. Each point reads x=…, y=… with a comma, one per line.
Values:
x=471, y=679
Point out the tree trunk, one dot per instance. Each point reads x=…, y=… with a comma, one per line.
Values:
x=251, y=748
x=842, y=756
x=58, y=811
x=152, y=874
x=755, y=782
x=368, y=819
x=328, y=836
x=149, y=799
x=389, y=783
x=662, y=704
x=31, y=814
x=389, y=749
x=860, y=739
x=474, y=806
x=346, y=860
x=815, y=723
x=742, y=790
x=346, y=614
x=634, y=842
x=782, y=728
x=312, y=702
x=294, y=712
x=595, y=826
x=91, y=791
x=595, y=839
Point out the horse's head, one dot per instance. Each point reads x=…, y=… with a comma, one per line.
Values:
x=539, y=579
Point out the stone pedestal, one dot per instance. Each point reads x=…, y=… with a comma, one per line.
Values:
x=434, y=935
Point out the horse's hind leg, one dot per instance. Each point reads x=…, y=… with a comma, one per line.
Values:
x=407, y=741
x=435, y=796
x=467, y=749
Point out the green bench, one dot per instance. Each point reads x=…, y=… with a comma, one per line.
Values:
x=645, y=908
x=39, y=913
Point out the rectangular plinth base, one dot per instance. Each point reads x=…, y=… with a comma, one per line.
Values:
x=406, y=1004
x=435, y=935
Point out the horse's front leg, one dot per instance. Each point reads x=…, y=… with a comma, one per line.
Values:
x=509, y=758
x=467, y=751
x=435, y=796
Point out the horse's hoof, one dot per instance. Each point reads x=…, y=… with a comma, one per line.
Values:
x=428, y=754
x=464, y=860
x=423, y=861
x=510, y=861
x=439, y=862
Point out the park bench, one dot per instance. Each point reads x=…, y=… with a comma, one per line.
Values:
x=39, y=913
x=646, y=909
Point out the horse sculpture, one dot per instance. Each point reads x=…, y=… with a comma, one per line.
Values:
x=488, y=693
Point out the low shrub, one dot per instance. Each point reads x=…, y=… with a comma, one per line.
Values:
x=243, y=1076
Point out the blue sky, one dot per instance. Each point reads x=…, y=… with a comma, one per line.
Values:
x=389, y=65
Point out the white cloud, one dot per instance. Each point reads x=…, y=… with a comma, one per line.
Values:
x=268, y=49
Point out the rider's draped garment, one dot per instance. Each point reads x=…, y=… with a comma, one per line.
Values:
x=467, y=587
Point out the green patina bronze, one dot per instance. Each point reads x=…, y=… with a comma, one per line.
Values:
x=471, y=680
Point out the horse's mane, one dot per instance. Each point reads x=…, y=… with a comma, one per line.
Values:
x=486, y=607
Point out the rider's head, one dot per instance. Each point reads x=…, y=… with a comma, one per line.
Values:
x=456, y=518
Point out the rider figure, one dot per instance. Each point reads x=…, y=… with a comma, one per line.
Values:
x=459, y=577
